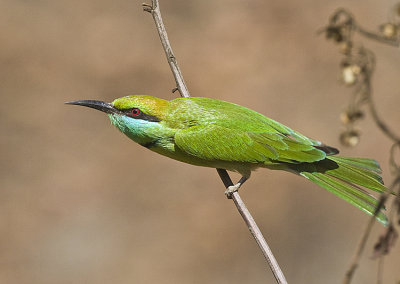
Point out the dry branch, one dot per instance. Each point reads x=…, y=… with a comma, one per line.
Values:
x=341, y=28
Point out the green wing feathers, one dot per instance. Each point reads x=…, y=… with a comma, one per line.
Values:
x=347, y=178
x=214, y=142
x=244, y=138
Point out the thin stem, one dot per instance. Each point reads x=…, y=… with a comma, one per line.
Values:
x=348, y=19
x=359, y=251
x=383, y=197
x=253, y=228
x=379, y=122
x=380, y=269
x=154, y=9
x=377, y=37
x=360, y=248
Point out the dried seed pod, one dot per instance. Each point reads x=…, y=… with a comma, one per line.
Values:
x=349, y=116
x=349, y=77
x=389, y=30
x=335, y=33
x=356, y=69
x=350, y=138
x=345, y=118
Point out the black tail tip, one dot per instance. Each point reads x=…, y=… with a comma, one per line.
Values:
x=327, y=149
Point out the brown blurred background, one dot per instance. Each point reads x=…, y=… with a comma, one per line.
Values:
x=81, y=203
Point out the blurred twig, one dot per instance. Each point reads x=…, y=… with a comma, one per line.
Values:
x=342, y=24
x=380, y=271
x=359, y=251
x=154, y=10
x=357, y=69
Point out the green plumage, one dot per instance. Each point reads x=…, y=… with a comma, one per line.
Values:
x=228, y=132
x=213, y=133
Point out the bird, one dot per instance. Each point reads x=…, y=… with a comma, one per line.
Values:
x=218, y=134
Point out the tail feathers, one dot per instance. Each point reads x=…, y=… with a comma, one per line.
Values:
x=346, y=178
x=353, y=172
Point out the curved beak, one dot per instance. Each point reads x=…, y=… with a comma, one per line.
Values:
x=99, y=105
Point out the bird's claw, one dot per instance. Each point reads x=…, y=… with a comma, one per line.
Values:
x=232, y=189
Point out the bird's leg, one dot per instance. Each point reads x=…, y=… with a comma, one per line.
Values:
x=230, y=188
x=233, y=188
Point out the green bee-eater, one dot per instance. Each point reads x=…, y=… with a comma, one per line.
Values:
x=218, y=134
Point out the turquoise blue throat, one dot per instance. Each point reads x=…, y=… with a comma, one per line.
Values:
x=140, y=131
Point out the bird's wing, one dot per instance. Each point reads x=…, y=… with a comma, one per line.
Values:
x=215, y=142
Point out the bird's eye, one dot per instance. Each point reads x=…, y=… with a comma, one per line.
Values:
x=135, y=112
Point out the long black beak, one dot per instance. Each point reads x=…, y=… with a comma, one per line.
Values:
x=99, y=105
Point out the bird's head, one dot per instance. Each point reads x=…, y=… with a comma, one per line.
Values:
x=136, y=116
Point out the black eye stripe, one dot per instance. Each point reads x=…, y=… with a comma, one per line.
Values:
x=140, y=115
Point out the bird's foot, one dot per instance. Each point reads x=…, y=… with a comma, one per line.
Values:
x=231, y=189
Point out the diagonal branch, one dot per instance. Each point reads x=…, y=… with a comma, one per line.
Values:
x=154, y=10
x=254, y=230
x=359, y=251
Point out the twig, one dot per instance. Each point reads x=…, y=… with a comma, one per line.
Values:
x=360, y=249
x=254, y=230
x=379, y=279
x=341, y=28
x=345, y=18
x=154, y=9
x=377, y=37
x=383, y=197
x=379, y=122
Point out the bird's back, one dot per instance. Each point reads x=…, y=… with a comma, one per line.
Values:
x=186, y=112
